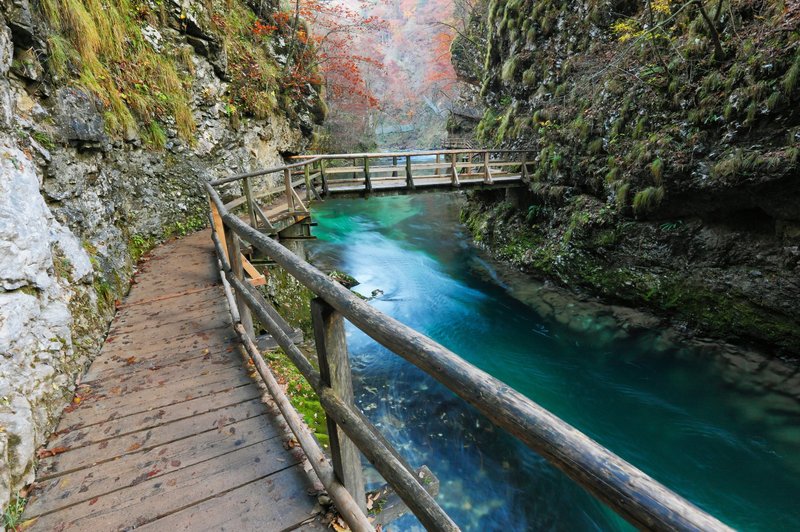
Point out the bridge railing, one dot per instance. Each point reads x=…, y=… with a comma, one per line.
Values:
x=627, y=490
x=347, y=172
x=275, y=208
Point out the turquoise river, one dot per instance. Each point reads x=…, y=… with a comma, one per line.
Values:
x=720, y=427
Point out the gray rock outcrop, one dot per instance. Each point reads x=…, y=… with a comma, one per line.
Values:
x=77, y=206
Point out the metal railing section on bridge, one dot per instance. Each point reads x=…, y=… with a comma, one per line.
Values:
x=627, y=490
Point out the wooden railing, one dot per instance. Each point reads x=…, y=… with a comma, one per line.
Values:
x=317, y=176
x=394, y=171
x=458, y=143
x=627, y=490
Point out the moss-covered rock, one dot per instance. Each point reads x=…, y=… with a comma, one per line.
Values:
x=682, y=269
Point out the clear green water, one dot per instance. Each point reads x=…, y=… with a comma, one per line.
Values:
x=726, y=438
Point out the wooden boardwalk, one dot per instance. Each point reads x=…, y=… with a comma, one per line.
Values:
x=168, y=431
x=394, y=186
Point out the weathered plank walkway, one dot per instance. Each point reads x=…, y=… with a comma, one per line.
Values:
x=168, y=431
x=392, y=186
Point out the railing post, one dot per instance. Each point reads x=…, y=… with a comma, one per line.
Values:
x=334, y=370
x=438, y=161
x=367, y=181
x=307, y=173
x=487, y=176
x=287, y=177
x=248, y=193
x=235, y=258
x=524, y=173
x=409, y=177
x=324, y=178
x=394, y=163
x=454, y=170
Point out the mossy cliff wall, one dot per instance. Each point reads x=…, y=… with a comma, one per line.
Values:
x=112, y=115
x=666, y=138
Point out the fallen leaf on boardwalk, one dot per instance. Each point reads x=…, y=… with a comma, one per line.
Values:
x=154, y=472
x=24, y=492
x=339, y=525
x=94, y=501
x=77, y=399
x=130, y=360
x=45, y=453
x=27, y=524
x=116, y=390
x=134, y=446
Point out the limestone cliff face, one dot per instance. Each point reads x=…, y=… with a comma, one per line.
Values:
x=666, y=138
x=96, y=169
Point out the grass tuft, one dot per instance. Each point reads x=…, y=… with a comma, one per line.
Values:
x=645, y=201
x=657, y=170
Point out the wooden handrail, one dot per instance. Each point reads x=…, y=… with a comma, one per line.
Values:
x=372, y=177
x=627, y=490
x=378, y=155
x=368, y=439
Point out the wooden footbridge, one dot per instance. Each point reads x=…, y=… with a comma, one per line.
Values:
x=168, y=430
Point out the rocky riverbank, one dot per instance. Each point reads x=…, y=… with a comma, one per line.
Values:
x=713, y=279
x=664, y=138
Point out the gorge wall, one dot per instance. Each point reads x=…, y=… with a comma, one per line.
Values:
x=666, y=138
x=112, y=116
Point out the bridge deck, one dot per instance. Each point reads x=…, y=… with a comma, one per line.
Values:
x=167, y=430
x=348, y=187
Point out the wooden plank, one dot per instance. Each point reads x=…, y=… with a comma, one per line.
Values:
x=430, y=166
x=143, y=440
x=157, y=497
x=135, y=371
x=278, y=502
x=256, y=278
x=128, y=469
x=119, y=350
x=367, y=183
x=454, y=172
x=219, y=227
x=237, y=268
x=298, y=201
x=344, y=170
x=323, y=173
x=307, y=177
x=96, y=409
x=200, y=319
x=206, y=300
x=334, y=370
x=248, y=193
x=212, y=312
x=77, y=435
x=264, y=218
x=157, y=375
